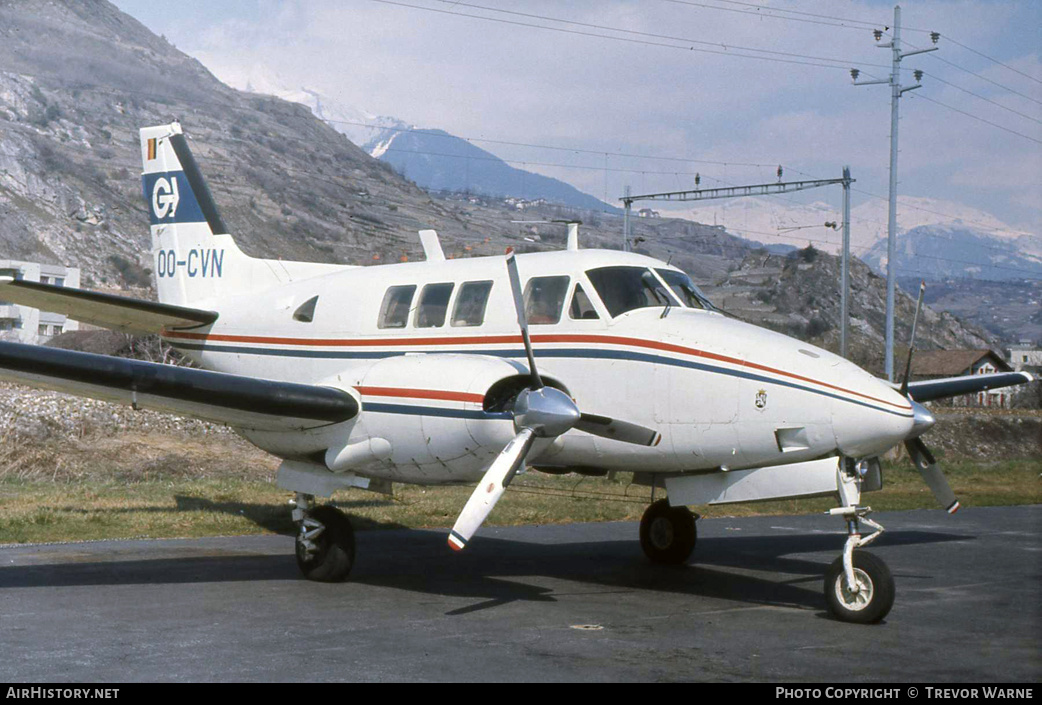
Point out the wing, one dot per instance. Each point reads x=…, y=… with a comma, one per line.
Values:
x=107, y=310
x=928, y=390
x=244, y=402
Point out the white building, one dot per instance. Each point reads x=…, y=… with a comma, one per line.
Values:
x=29, y=325
x=1024, y=355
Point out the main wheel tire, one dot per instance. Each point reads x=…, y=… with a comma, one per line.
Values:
x=668, y=534
x=336, y=547
x=875, y=597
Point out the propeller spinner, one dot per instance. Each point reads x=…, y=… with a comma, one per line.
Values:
x=539, y=412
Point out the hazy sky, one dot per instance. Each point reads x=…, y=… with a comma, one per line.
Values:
x=696, y=98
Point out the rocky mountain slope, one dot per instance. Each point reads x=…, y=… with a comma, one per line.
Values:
x=77, y=80
x=799, y=294
x=937, y=252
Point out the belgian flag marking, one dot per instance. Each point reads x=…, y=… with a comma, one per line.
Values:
x=151, y=148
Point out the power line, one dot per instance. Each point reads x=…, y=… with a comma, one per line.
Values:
x=598, y=152
x=646, y=42
x=763, y=11
x=989, y=58
x=549, y=164
x=673, y=46
x=975, y=117
x=983, y=78
x=984, y=98
x=722, y=45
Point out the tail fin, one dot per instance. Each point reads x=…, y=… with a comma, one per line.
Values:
x=191, y=264
x=195, y=259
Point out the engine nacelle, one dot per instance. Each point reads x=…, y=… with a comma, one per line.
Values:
x=441, y=413
x=422, y=416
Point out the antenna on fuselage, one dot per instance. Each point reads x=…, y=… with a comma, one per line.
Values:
x=573, y=230
x=431, y=246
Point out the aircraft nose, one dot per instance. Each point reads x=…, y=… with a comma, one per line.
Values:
x=874, y=416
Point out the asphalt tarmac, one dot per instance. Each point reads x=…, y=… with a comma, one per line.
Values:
x=533, y=603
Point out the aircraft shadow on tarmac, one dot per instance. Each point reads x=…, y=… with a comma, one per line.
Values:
x=761, y=570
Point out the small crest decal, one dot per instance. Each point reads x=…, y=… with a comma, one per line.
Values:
x=761, y=399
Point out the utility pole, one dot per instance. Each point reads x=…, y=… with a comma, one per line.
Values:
x=844, y=307
x=626, y=220
x=896, y=91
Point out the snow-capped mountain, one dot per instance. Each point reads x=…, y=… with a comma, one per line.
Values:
x=438, y=161
x=433, y=159
x=936, y=239
x=359, y=126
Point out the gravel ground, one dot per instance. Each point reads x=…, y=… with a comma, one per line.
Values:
x=42, y=415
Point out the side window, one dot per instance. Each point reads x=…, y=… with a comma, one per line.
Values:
x=470, y=303
x=581, y=308
x=394, y=312
x=434, y=304
x=544, y=299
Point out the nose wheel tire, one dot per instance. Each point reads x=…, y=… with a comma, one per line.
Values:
x=667, y=534
x=325, y=545
x=874, y=594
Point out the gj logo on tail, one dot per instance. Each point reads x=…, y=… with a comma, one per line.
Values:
x=165, y=197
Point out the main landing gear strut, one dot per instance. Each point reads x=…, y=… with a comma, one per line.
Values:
x=325, y=543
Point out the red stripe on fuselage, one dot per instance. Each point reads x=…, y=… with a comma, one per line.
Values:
x=516, y=340
x=420, y=394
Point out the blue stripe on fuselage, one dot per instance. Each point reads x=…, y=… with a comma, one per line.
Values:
x=575, y=353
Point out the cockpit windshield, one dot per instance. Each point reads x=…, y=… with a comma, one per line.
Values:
x=623, y=289
x=685, y=289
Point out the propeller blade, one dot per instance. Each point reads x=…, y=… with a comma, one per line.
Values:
x=522, y=320
x=618, y=430
x=497, y=478
x=911, y=340
x=932, y=474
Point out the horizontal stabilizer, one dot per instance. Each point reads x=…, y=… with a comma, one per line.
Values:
x=106, y=310
x=243, y=402
x=928, y=390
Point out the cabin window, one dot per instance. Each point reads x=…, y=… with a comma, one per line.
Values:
x=434, y=304
x=623, y=289
x=470, y=303
x=581, y=307
x=544, y=299
x=685, y=289
x=394, y=312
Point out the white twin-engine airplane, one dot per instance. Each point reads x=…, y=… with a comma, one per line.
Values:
x=425, y=372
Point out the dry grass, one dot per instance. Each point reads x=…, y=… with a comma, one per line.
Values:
x=166, y=485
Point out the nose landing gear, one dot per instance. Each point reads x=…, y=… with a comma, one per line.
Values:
x=325, y=544
x=858, y=585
